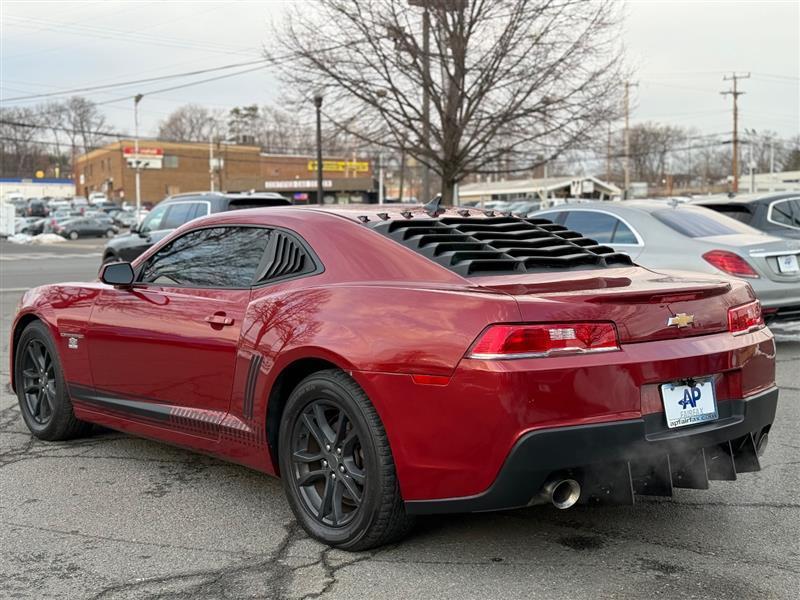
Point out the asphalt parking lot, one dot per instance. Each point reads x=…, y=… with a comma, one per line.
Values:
x=112, y=516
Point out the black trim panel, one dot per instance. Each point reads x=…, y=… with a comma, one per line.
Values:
x=539, y=454
x=107, y=400
x=250, y=386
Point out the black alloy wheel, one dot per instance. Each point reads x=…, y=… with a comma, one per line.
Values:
x=40, y=386
x=38, y=382
x=328, y=463
x=337, y=466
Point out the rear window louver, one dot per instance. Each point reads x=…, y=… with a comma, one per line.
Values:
x=285, y=257
x=500, y=245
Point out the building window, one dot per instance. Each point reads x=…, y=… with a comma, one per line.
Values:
x=170, y=162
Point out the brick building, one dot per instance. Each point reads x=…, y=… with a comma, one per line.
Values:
x=172, y=168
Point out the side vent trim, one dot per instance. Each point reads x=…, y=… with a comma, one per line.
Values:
x=250, y=385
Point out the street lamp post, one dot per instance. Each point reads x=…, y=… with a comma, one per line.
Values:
x=318, y=104
x=137, y=163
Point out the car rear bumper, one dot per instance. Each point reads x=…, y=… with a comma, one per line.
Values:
x=613, y=461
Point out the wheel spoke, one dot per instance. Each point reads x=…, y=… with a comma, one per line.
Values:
x=33, y=404
x=44, y=406
x=304, y=456
x=356, y=475
x=338, y=512
x=322, y=423
x=31, y=388
x=327, y=498
x=33, y=373
x=340, y=428
x=310, y=477
x=308, y=421
x=352, y=490
x=34, y=356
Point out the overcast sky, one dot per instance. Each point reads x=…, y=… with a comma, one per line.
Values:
x=679, y=50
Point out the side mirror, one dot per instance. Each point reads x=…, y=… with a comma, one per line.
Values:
x=119, y=274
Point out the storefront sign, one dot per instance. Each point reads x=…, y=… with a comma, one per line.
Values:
x=340, y=166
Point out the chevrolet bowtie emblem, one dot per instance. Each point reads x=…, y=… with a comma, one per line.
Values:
x=680, y=320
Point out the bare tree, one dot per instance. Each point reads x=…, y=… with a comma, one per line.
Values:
x=189, y=123
x=19, y=128
x=84, y=124
x=512, y=83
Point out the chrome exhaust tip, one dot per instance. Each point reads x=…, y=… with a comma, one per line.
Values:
x=563, y=493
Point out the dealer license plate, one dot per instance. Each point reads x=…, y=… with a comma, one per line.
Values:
x=689, y=404
x=788, y=264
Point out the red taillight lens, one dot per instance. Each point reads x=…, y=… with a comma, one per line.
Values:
x=529, y=341
x=730, y=263
x=745, y=318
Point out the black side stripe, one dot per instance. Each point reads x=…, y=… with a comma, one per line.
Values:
x=250, y=386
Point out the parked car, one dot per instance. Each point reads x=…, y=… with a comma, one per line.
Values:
x=79, y=203
x=23, y=224
x=36, y=208
x=552, y=369
x=97, y=198
x=124, y=218
x=178, y=210
x=776, y=214
x=686, y=237
x=58, y=204
x=86, y=227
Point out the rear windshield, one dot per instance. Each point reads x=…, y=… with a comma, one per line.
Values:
x=701, y=223
x=734, y=211
x=242, y=203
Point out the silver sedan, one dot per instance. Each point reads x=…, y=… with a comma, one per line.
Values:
x=670, y=235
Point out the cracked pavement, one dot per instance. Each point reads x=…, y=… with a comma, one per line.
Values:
x=116, y=517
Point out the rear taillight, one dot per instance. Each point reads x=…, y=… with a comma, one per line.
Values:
x=533, y=341
x=730, y=263
x=745, y=318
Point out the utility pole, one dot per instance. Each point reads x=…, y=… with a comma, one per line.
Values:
x=626, y=190
x=318, y=105
x=137, y=162
x=380, y=179
x=608, y=156
x=211, y=161
x=735, y=93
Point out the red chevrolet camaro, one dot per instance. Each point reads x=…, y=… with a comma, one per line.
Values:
x=409, y=362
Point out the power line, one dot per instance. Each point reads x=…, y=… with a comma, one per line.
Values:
x=136, y=81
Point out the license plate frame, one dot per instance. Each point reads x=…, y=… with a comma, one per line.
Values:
x=689, y=403
x=788, y=264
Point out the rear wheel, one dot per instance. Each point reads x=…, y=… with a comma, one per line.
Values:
x=41, y=389
x=110, y=233
x=337, y=467
x=73, y=235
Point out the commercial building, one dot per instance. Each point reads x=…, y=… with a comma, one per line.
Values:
x=543, y=189
x=169, y=168
x=36, y=188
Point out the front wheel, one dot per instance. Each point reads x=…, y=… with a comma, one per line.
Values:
x=337, y=466
x=110, y=233
x=41, y=389
x=73, y=235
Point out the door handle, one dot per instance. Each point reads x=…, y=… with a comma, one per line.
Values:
x=219, y=320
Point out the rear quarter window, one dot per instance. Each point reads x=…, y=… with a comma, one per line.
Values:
x=701, y=223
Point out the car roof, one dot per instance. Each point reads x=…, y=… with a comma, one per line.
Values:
x=745, y=198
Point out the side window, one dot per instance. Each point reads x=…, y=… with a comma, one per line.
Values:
x=623, y=234
x=181, y=213
x=555, y=217
x=787, y=212
x=217, y=257
x=152, y=222
x=594, y=225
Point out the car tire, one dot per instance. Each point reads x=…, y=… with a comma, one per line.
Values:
x=375, y=518
x=41, y=389
x=111, y=258
x=73, y=235
x=110, y=233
